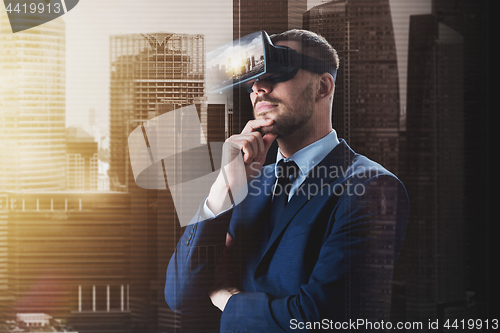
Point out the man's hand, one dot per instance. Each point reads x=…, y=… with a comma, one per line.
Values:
x=254, y=148
x=224, y=286
x=253, y=145
x=220, y=297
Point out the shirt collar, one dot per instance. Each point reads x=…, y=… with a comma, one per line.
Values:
x=310, y=156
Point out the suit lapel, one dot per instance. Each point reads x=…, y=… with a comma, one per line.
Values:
x=335, y=164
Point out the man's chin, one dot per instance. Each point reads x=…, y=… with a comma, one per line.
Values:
x=267, y=129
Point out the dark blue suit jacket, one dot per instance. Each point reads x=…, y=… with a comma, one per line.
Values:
x=329, y=259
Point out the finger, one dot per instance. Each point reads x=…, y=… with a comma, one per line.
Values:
x=259, y=143
x=252, y=146
x=243, y=143
x=254, y=125
x=248, y=151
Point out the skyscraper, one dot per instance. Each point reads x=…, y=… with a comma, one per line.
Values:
x=32, y=107
x=433, y=172
x=150, y=74
x=81, y=160
x=366, y=106
x=273, y=17
x=471, y=20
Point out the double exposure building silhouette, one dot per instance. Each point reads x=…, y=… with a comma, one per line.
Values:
x=68, y=256
x=425, y=149
x=273, y=17
x=32, y=128
x=54, y=238
x=117, y=245
x=150, y=74
x=367, y=113
x=366, y=106
x=433, y=171
x=81, y=160
x=32, y=107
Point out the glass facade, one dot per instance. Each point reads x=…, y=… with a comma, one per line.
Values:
x=150, y=74
x=366, y=106
x=32, y=107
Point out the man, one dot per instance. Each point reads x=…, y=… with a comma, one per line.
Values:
x=325, y=258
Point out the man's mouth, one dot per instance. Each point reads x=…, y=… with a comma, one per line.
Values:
x=264, y=106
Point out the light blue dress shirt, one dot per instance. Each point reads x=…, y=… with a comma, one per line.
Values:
x=309, y=157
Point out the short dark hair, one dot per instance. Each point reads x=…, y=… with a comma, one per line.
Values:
x=313, y=45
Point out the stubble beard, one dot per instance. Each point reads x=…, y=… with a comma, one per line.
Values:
x=292, y=116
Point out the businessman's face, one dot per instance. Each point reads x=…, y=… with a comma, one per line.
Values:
x=290, y=103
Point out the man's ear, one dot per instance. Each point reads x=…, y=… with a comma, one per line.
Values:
x=326, y=86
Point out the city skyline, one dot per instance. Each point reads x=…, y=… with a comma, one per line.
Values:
x=89, y=43
x=89, y=88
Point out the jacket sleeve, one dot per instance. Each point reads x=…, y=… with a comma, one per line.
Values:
x=190, y=272
x=351, y=277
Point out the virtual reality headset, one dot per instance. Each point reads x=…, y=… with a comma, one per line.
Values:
x=254, y=57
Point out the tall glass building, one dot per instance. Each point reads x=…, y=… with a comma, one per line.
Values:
x=150, y=74
x=433, y=172
x=32, y=107
x=366, y=106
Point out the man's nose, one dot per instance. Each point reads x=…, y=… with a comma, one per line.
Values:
x=262, y=87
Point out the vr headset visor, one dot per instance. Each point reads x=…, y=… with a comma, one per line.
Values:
x=254, y=57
